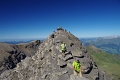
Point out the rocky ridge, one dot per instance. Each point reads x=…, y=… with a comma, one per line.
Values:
x=10, y=54
x=48, y=63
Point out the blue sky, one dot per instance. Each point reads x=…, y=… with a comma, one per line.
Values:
x=23, y=19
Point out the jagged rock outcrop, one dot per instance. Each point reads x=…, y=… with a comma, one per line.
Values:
x=48, y=63
x=13, y=54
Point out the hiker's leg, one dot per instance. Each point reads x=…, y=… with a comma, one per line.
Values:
x=65, y=51
x=63, y=54
x=75, y=73
x=80, y=74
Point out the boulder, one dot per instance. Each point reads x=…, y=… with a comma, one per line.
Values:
x=61, y=63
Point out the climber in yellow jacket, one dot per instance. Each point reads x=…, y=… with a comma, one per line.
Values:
x=77, y=67
x=63, y=45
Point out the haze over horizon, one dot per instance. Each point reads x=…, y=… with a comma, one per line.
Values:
x=26, y=19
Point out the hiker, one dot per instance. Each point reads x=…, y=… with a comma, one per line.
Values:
x=63, y=45
x=77, y=67
x=53, y=40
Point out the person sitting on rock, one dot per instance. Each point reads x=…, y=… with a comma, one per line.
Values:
x=77, y=67
x=63, y=45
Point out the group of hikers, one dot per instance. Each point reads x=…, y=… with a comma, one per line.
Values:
x=76, y=65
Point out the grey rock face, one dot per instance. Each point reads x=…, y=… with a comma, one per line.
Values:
x=48, y=63
x=74, y=77
x=15, y=53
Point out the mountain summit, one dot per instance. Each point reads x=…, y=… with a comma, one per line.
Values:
x=48, y=63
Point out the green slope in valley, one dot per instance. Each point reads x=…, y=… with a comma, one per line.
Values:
x=110, y=63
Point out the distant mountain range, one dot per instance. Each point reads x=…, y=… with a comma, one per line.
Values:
x=110, y=44
x=110, y=37
x=17, y=41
